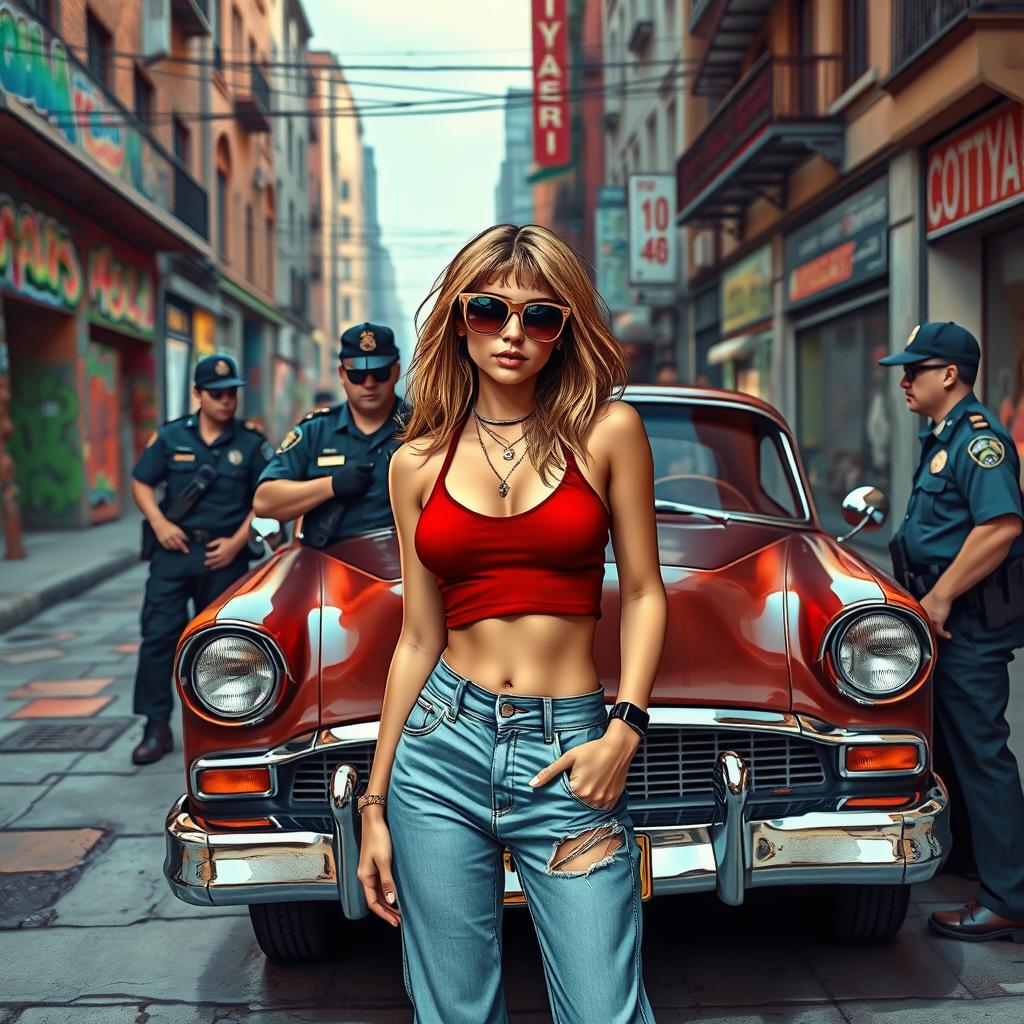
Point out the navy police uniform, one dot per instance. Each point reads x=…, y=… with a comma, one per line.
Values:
x=173, y=457
x=327, y=441
x=968, y=474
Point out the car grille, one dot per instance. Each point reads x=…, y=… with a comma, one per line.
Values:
x=671, y=763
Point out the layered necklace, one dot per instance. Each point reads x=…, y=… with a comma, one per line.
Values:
x=508, y=447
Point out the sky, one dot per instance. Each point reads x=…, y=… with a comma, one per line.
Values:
x=436, y=174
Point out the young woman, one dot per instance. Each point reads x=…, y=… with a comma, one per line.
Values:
x=494, y=733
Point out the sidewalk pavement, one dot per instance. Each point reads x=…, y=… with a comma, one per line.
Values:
x=64, y=563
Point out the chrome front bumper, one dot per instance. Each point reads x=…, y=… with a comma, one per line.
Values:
x=863, y=847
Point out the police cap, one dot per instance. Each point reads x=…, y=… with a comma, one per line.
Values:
x=217, y=372
x=938, y=340
x=369, y=346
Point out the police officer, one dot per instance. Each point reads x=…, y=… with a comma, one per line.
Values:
x=332, y=467
x=959, y=551
x=197, y=534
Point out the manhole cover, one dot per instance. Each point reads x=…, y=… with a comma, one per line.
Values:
x=66, y=735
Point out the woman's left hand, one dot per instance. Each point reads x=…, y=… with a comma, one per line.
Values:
x=598, y=769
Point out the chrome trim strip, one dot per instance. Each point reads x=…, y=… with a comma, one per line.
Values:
x=826, y=847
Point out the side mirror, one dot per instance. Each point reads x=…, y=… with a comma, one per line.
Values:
x=864, y=508
x=265, y=532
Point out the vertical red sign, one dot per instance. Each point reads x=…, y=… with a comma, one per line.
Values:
x=551, y=139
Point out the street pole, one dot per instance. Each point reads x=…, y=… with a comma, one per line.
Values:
x=9, y=509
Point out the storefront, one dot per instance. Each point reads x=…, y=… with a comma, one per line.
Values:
x=836, y=300
x=974, y=217
x=79, y=314
x=707, y=332
x=745, y=351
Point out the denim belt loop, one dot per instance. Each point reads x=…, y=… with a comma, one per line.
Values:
x=549, y=732
x=453, y=711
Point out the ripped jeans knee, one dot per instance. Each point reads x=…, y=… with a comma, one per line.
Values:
x=586, y=850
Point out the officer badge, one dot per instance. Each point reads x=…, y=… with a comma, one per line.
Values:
x=939, y=460
x=986, y=450
x=292, y=438
x=267, y=450
x=221, y=368
x=235, y=457
x=913, y=335
x=367, y=341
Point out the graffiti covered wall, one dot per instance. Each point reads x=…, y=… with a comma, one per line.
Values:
x=102, y=440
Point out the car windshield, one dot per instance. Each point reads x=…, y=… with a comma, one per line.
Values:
x=720, y=458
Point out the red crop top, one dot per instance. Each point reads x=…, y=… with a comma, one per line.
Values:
x=548, y=559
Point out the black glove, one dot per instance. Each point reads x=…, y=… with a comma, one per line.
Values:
x=352, y=480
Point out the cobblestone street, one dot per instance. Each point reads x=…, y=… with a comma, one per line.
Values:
x=92, y=935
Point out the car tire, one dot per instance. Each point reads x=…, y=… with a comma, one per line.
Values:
x=869, y=913
x=294, y=933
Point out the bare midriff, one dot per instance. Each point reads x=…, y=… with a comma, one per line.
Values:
x=529, y=655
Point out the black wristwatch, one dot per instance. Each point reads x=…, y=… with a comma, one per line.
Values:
x=636, y=718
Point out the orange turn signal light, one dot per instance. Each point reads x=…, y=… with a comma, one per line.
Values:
x=882, y=757
x=234, y=781
x=207, y=823
x=878, y=801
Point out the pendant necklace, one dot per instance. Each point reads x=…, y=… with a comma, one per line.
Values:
x=502, y=480
x=509, y=447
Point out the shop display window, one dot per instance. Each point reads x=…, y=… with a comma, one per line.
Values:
x=844, y=421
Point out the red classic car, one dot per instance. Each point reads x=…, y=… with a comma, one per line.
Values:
x=790, y=721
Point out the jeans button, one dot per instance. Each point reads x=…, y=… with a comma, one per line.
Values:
x=506, y=710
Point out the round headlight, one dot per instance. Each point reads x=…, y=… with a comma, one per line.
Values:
x=233, y=676
x=879, y=654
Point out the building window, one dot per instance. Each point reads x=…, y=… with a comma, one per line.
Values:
x=670, y=132
x=98, y=44
x=856, y=49
x=346, y=308
x=652, y=141
x=346, y=228
x=143, y=97
x=288, y=129
x=346, y=268
x=344, y=189
x=302, y=158
x=222, y=215
x=250, y=246
x=270, y=242
x=182, y=142
x=48, y=10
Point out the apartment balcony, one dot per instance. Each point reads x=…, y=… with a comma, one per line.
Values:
x=252, y=99
x=771, y=121
x=922, y=30
x=193, y=16
x=96, y=154
x=730, y=28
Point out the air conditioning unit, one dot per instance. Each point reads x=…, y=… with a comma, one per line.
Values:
x=703, y=250
x=156, y=29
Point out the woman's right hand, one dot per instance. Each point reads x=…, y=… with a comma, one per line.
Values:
x=375, y=867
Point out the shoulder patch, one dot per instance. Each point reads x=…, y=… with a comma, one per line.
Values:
x=291, y=439
x=987, y=451
x=322, y=411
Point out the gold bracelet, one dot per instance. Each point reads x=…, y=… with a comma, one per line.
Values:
x=370, y=798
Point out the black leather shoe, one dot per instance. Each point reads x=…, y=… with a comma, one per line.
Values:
x=975, y=923
x=157, y=740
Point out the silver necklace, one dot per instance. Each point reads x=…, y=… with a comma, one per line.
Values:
x=509, y=447
x=501, y=423
x=502, y=480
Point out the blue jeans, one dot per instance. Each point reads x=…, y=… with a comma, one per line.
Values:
x=458, y=797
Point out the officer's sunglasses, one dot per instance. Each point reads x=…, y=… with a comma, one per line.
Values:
x=218, y=393
x=911, y=370
x=380, y=374
x=488, y=314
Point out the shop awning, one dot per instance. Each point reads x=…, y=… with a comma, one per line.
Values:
x=740, y=347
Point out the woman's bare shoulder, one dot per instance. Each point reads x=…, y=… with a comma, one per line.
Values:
x=409, y=459
x=615, y=422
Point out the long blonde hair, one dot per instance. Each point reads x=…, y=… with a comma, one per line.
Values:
x=588, y=369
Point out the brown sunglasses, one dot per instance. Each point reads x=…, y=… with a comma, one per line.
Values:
x=488, y=314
